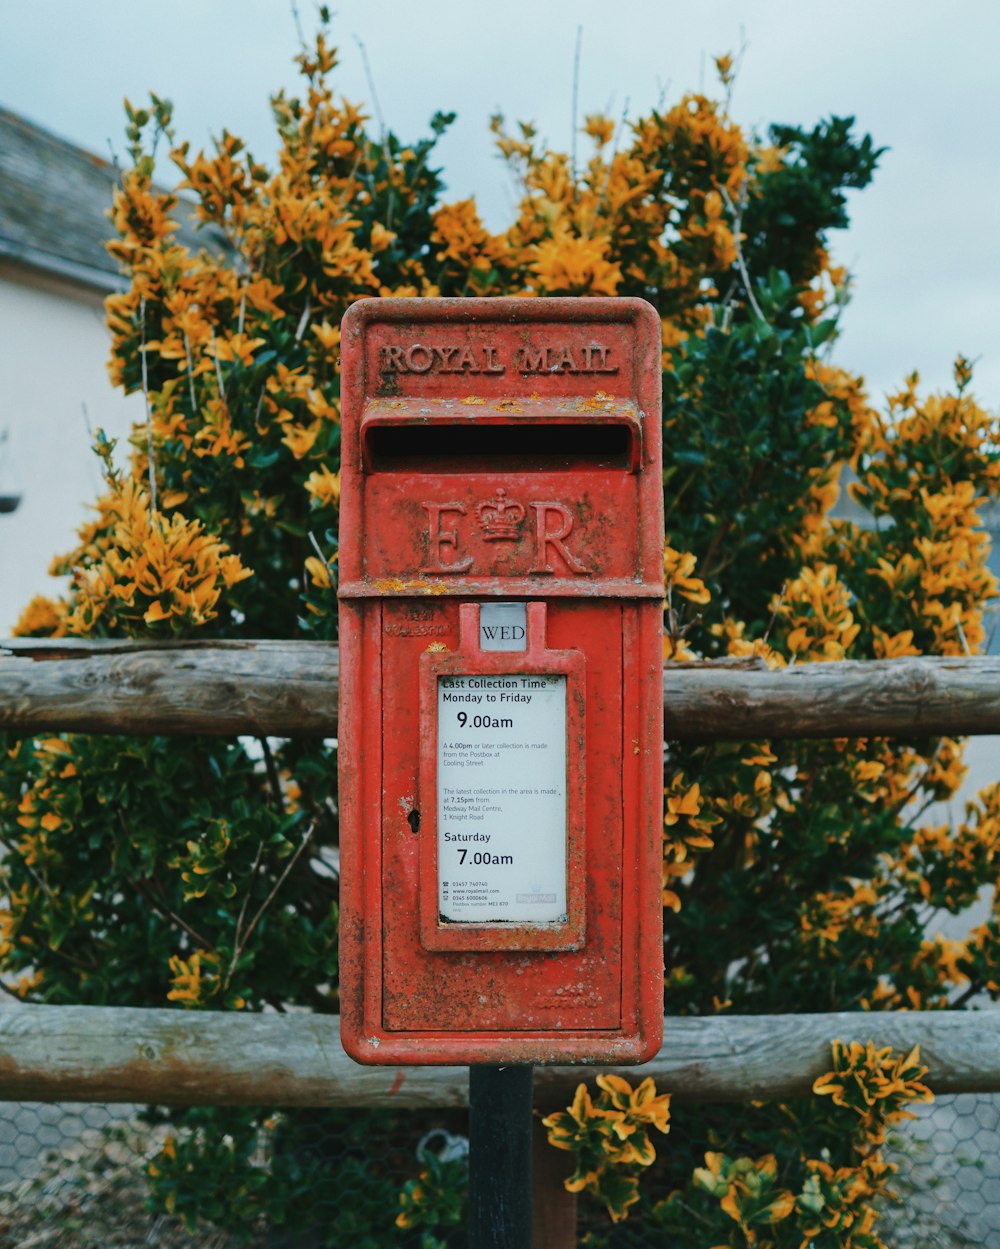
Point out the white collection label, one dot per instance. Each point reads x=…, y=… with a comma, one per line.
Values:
x=502, y=798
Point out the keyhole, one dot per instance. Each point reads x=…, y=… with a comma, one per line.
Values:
x=413, y=819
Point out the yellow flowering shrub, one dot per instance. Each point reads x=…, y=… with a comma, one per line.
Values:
x=816, y=612
x=142, y=568
x=876, y=1084
x=43, y=617
x=748, y=1191
x=610, y=1138
x=435, y=1199
x=749, y=1201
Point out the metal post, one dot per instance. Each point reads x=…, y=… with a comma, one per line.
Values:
x=500, y=1157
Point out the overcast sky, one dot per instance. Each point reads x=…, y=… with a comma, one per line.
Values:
x=921, y=76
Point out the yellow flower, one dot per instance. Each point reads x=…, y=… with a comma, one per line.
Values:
x=571, y=265
x=320, y=407
x=238, y=348
x=677, y=568
x=43, y=617
x=769, y=160
x=642, y=1104
x=155, y=613
x=677, y=649
x=381, y=238
x=186, y=978
x=725, y=67
x=600, y=128
x=327, y=335
x=816, y=608
x=324, y=487
x=299, y=439
x=319, y=572
x=688, y=803
x=895, y=646
x=261, y=293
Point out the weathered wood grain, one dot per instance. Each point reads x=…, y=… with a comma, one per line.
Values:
x=553, y=1209
x=219, y=688
x=290, y=689
x=925, y=697
x=109, y=1054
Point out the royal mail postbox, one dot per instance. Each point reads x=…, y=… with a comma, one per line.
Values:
x=500, y=740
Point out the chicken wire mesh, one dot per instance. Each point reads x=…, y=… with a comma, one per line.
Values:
x=82, y=1177
x=949, y=1176
x=78, y=1177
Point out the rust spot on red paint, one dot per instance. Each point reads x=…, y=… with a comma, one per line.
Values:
x=397, y=585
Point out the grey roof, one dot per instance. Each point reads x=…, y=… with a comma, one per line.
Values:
x=54, y=201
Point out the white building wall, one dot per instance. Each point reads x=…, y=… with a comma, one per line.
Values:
x=53, y=351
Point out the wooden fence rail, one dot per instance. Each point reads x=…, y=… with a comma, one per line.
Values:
x=287, y=689
x=172, y=1057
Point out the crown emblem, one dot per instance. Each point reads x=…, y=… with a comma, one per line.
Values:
x=499, y=517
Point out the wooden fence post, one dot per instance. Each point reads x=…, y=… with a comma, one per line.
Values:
x=553, y=1209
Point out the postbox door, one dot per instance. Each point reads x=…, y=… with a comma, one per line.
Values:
x=499, y=990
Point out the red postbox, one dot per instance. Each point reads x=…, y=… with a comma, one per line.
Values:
x=500, y=749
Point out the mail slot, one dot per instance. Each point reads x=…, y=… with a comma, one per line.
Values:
x=500, y=739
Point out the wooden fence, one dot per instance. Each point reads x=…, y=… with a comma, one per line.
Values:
x=287, y=689
x=174, y=1057
x=70, y=1053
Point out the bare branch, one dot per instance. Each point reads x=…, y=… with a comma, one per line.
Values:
x=576, y=95
x=149, y=414
x=261, y=910
x=737, y=215
x=371, y=88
